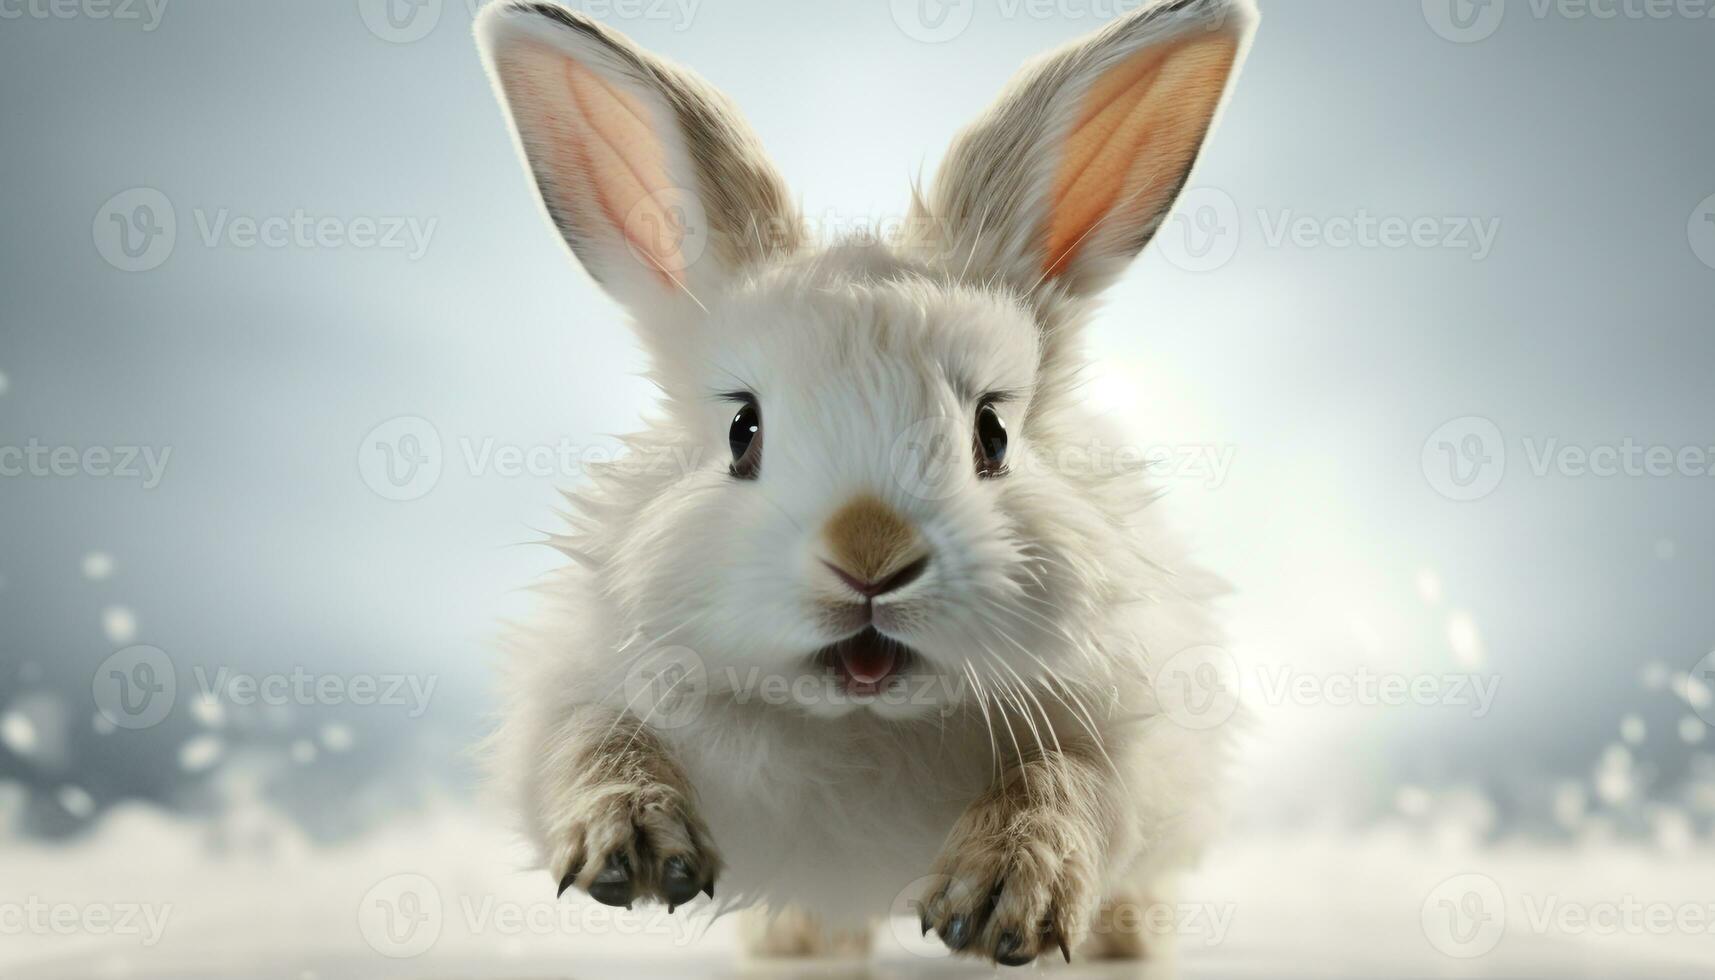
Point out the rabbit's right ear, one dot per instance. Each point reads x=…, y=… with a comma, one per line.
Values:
x=654, y=181
x=1069, y=175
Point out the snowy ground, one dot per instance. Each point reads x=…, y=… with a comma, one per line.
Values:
x=152, y=896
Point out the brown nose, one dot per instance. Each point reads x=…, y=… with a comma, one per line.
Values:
x=873, y=549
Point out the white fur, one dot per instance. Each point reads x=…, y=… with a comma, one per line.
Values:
x=1058, y=592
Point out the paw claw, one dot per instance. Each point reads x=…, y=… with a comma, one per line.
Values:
x=1007, y=950
x=614, y=885
x=678, y=881
x=637, y=843
x=1004, y=900
x=959, y=932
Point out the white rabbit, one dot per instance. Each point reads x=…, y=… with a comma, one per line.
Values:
x=852, y=622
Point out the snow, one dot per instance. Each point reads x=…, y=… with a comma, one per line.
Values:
x=98, y=566
x=120, y=625
x=150, y=895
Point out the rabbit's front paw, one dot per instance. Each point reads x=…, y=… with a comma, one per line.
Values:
x=1013, y=881
x=630, y=841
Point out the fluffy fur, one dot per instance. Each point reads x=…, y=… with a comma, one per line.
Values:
x=668, y=723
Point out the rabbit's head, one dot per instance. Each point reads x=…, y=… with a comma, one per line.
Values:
x=857, y=501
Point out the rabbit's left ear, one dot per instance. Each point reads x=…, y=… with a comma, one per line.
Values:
x=1071, y=173
x=654, y=181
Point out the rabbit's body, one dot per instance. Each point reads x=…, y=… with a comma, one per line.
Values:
x=844, y=815
x=820, y=641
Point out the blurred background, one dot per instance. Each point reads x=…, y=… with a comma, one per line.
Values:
x=291, y=367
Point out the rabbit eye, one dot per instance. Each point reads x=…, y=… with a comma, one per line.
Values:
x=991, y=441
x=745, y=437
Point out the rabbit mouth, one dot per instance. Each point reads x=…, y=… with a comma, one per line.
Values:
x=866, y=661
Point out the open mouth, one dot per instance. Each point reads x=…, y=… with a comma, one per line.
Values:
x=864, y=662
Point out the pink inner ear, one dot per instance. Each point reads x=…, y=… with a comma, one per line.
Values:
x=603, y=150
x=1142, y=124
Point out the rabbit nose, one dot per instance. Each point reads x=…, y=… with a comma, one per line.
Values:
x=872, y=549
x=892, y=583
